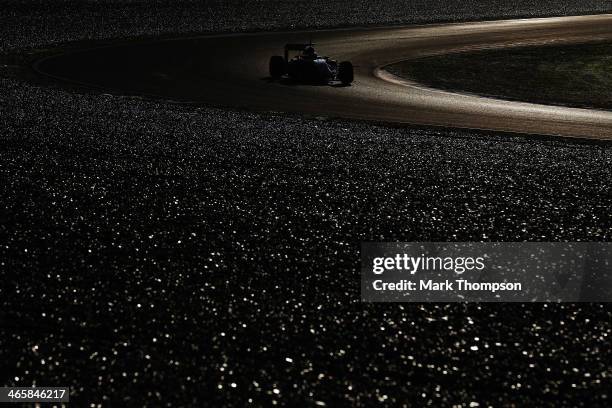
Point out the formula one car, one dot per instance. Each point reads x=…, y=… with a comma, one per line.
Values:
x=309, y=67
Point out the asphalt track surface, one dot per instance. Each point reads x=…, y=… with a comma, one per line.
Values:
x=232, y=70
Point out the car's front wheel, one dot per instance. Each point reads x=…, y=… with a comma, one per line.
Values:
x=345, y=72
x=278, y=66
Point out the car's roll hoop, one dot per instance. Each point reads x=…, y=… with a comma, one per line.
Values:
x=296, y=47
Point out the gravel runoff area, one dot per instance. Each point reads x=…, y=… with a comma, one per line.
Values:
x=40, y=22
x=164, y=255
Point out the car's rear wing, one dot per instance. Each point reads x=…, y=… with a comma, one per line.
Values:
x=295, y=47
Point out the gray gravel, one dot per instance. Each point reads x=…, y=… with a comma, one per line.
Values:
x=40, y=22
x=164, y=255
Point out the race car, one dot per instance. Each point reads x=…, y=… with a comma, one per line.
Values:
x=309, y=67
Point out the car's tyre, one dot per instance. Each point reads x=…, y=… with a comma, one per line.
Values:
x=345, y=72
x=278, y=67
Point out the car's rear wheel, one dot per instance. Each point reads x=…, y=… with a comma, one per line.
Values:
x=278, y=66
x=345, y=72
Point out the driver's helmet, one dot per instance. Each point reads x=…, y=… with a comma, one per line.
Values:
x=310, y=52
